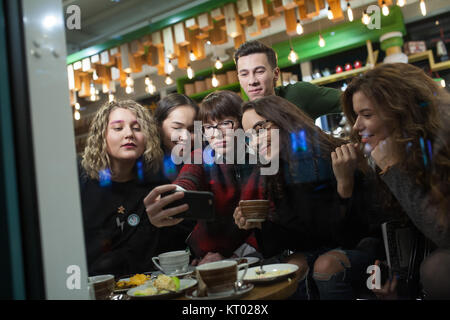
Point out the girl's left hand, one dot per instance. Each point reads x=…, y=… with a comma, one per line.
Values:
x=389, y=289
x=385, y=154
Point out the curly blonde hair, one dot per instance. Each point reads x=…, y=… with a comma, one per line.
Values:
x=95, y=156
x=418, y=112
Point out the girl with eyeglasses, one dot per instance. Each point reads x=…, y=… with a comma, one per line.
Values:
x=219, y=173
x=310, y=218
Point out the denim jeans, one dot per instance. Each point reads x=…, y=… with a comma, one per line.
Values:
x=342, y=285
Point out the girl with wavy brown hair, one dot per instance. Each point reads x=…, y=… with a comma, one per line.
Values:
x=401, y=121
x=310, y=217
x=120, y=166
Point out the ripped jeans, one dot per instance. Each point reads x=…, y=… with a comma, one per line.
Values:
x=337, y=286
x=341, y=285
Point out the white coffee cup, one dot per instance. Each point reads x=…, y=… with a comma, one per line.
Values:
x=172, y=262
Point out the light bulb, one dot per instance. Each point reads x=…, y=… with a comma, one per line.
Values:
x=423, y=8
x=401, y=3
x=190, y=72
x=92, y=89
x=192, y=56
x=150, y=88
x=94, y=75
x=443, y=83
x=147, y=80
x=129, y=81
x=105, y=88
x=330, y=14
x=129, y=90
x=170, y=67
x=77, y=106
x=218, y=64
x=349, y=12
x=110, y=97
x=214, y=81
x=321, y=41
x=365, y=18
x=299, y=28
x=77, y=115
x=168, y=80
x=384, y=9
x=293, y=56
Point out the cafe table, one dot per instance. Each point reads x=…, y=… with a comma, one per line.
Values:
x=276, y=290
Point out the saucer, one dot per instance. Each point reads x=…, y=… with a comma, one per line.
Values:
x=250, y=260
x=189, y=270
x=227, y=296
x=274, y=272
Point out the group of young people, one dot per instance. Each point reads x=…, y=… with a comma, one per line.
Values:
x=328, y=196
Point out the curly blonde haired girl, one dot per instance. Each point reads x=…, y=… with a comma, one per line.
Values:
x=96, y=157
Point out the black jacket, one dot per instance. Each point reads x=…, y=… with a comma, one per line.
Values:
x=309, y=214
x=119, y=237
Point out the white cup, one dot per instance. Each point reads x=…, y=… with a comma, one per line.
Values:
x=172, y=262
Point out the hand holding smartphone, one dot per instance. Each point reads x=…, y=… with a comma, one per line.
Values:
x=201, y=205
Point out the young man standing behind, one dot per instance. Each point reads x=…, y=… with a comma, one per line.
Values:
x=258, y=73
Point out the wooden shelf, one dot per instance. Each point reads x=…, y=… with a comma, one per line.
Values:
x=419, y=56
x=429, y=55
x=341, y=76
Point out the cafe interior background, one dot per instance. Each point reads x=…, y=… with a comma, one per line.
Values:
x=62, y=59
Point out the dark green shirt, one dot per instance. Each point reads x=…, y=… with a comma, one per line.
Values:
x=314, y=100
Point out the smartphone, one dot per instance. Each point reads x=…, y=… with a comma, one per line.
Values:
x=201, y=205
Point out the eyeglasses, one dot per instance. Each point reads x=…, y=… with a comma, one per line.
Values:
x=262, y=125
x=208, y=129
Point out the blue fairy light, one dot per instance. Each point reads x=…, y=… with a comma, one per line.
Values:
x=169, y=167
x=140, y=170
x=424, y=155
x=430, y=150
x=105, y=177
x=298, y=141
x=208, y=156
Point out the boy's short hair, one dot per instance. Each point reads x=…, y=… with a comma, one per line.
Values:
x=251, y=47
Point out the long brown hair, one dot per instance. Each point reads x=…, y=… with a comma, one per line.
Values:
x=417, y=111
x=291, y=120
